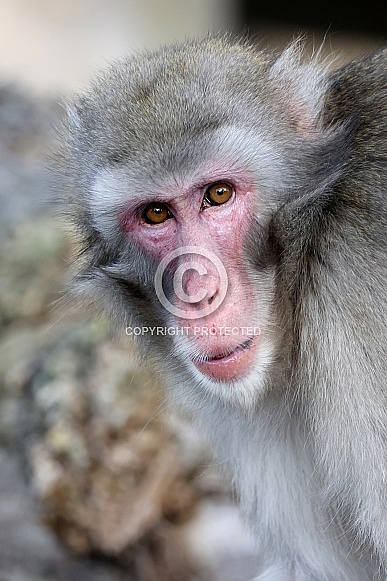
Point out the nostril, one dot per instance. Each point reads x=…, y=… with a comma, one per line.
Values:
x=212, y=298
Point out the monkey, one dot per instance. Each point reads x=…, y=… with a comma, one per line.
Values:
x=231, y=206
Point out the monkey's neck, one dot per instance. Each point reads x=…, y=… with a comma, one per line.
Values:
x=272, y=463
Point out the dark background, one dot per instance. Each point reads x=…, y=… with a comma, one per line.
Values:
x=349, y=16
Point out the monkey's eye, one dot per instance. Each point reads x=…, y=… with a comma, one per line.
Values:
x=156, y=213
x=218, y=194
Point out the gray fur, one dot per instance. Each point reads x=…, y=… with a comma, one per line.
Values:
x=304, y=436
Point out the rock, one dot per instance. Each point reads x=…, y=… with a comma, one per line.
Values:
x=32, y=265
x=107, y=467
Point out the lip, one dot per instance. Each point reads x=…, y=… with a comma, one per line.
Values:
x=232, y=365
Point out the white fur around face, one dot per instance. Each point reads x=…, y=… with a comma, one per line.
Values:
x=108, y=195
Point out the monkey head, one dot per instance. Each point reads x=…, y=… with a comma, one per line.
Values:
x=185, y=166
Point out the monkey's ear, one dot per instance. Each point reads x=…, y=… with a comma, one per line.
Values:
x=299, y=86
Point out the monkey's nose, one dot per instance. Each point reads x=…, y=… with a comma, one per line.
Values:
x=201, y=289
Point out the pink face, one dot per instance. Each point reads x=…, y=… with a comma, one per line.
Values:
x=214, y=303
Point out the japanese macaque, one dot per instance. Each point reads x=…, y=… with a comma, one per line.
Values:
x=232, y=208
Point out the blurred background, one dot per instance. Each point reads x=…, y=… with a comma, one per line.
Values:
x=98, y=481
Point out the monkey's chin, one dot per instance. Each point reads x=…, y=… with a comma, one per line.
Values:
x=233, y=366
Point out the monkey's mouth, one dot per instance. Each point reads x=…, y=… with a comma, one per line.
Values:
x=222, y=356
x=231, y=364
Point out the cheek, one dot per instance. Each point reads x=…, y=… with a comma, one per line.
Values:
x=229, y=237
x=228, y=230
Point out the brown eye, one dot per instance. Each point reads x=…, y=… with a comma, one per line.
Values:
x=218, y=194
x=156, y=213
